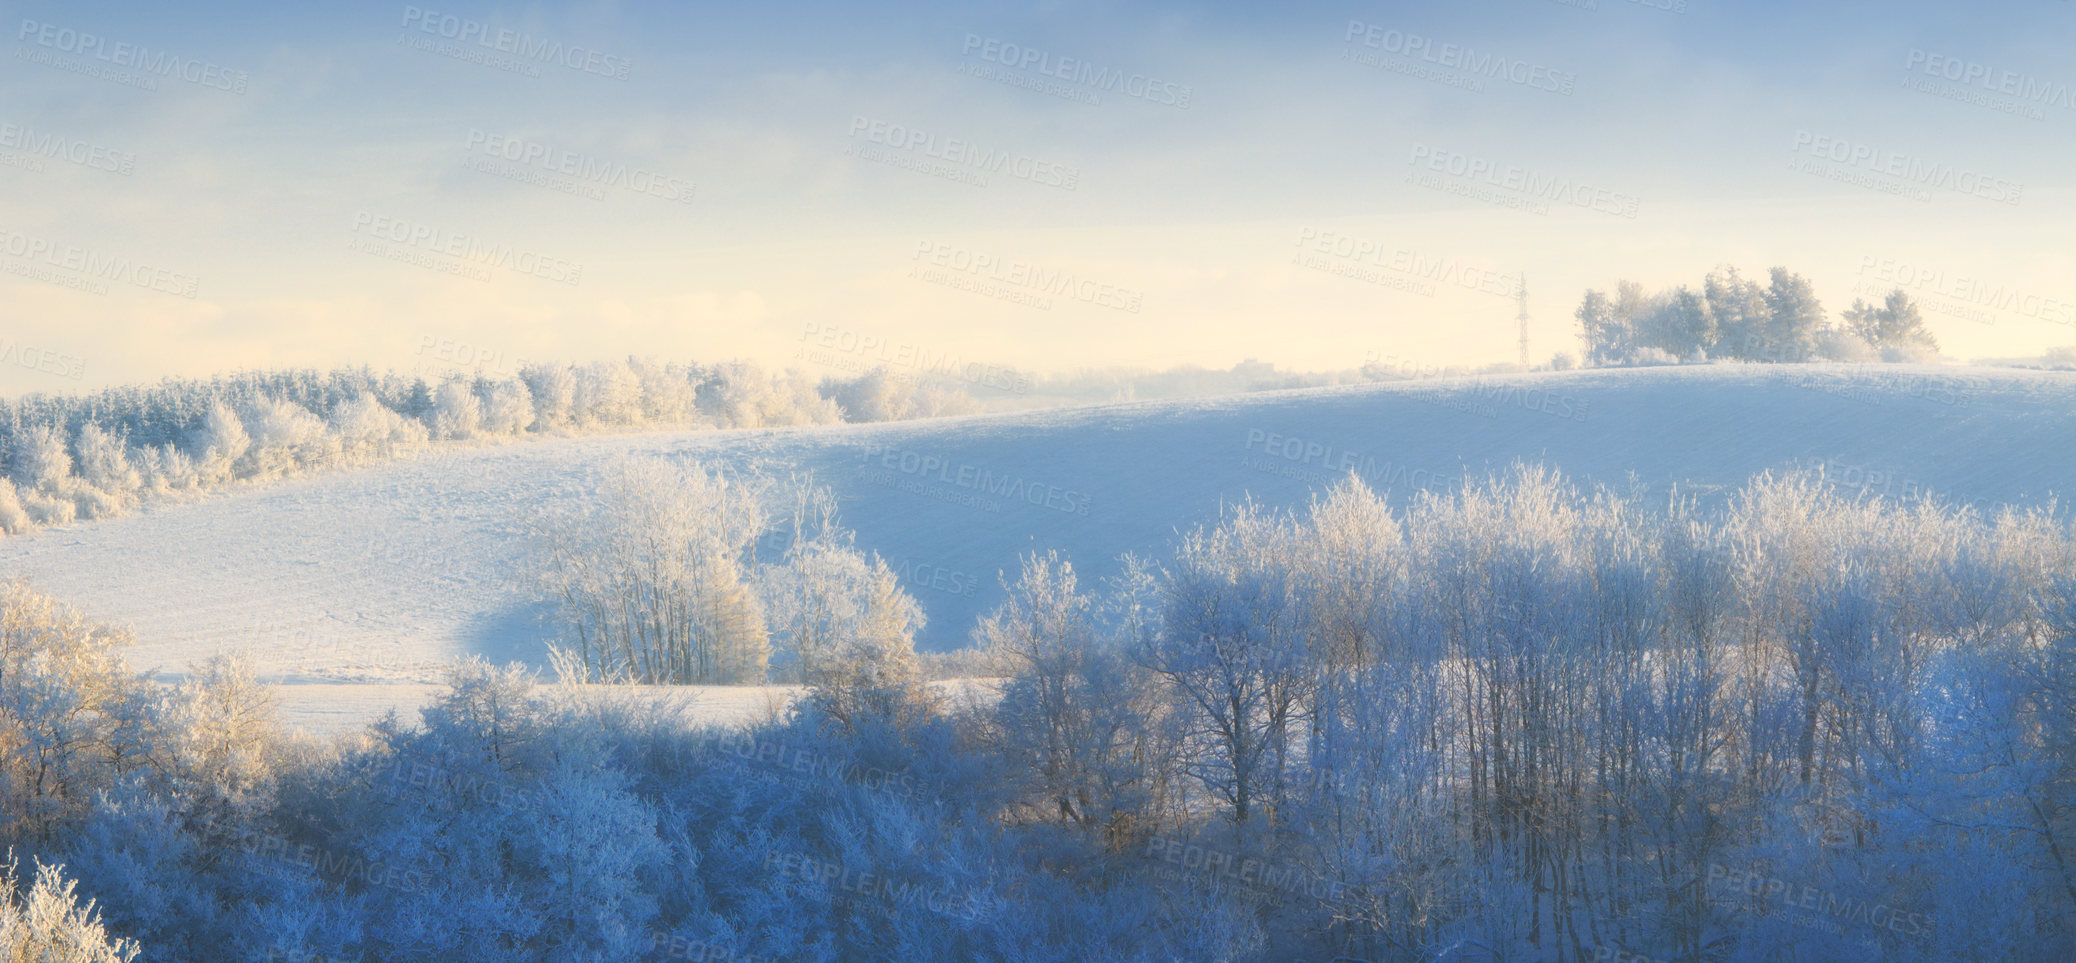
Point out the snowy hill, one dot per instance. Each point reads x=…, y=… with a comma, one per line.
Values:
x=374, y=578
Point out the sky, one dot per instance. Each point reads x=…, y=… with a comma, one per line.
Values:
x=446, y=186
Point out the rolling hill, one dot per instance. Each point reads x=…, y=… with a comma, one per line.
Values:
x=352, y=588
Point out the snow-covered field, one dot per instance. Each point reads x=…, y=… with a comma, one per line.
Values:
x=352, y=589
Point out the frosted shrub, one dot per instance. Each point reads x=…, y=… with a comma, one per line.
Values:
x=285, y=437
x=219, y=443
x=496, y=833
x=881, y=395
x=165, y=468
x=90, y=502
x=48, y=509
x=48, y=925
x=456, y=412
x=366, y=428
x=42, y=461
x=836, y=613
x=105, y=464
x=14, y=519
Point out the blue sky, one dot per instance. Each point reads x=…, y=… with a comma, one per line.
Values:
x=1310, y=184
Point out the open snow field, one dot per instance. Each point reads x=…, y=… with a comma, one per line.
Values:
x=352, y=589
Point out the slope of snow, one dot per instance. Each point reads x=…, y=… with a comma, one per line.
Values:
x=364, y=583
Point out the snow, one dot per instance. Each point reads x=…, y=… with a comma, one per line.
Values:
x=352, y=589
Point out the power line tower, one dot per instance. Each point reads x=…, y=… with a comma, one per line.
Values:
x=1521, y=299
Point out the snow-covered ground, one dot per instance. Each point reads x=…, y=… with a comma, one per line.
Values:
x=352, y=589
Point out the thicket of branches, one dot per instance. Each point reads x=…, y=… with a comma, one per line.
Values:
x=98, y=455
x=1524, y=722
x=1518, y=721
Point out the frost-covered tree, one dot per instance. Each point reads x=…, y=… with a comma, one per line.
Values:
x=652, y=582
x=1679, y=323
x=1233, y=649
x=553, y=390
x=606, y=393
x=71, y=713
x=1076, y=712
x=1794, y=316
x=1895, y=325
x=668, y=393
x=869, y=673
x=1742, y=320
x=507, y=408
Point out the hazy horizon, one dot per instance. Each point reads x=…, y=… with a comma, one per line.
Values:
x=1144, y=187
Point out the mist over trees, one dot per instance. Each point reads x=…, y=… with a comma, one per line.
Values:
x=1733, y=317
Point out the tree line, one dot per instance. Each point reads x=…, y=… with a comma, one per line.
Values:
x=1734, y=317
x=100, y=454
